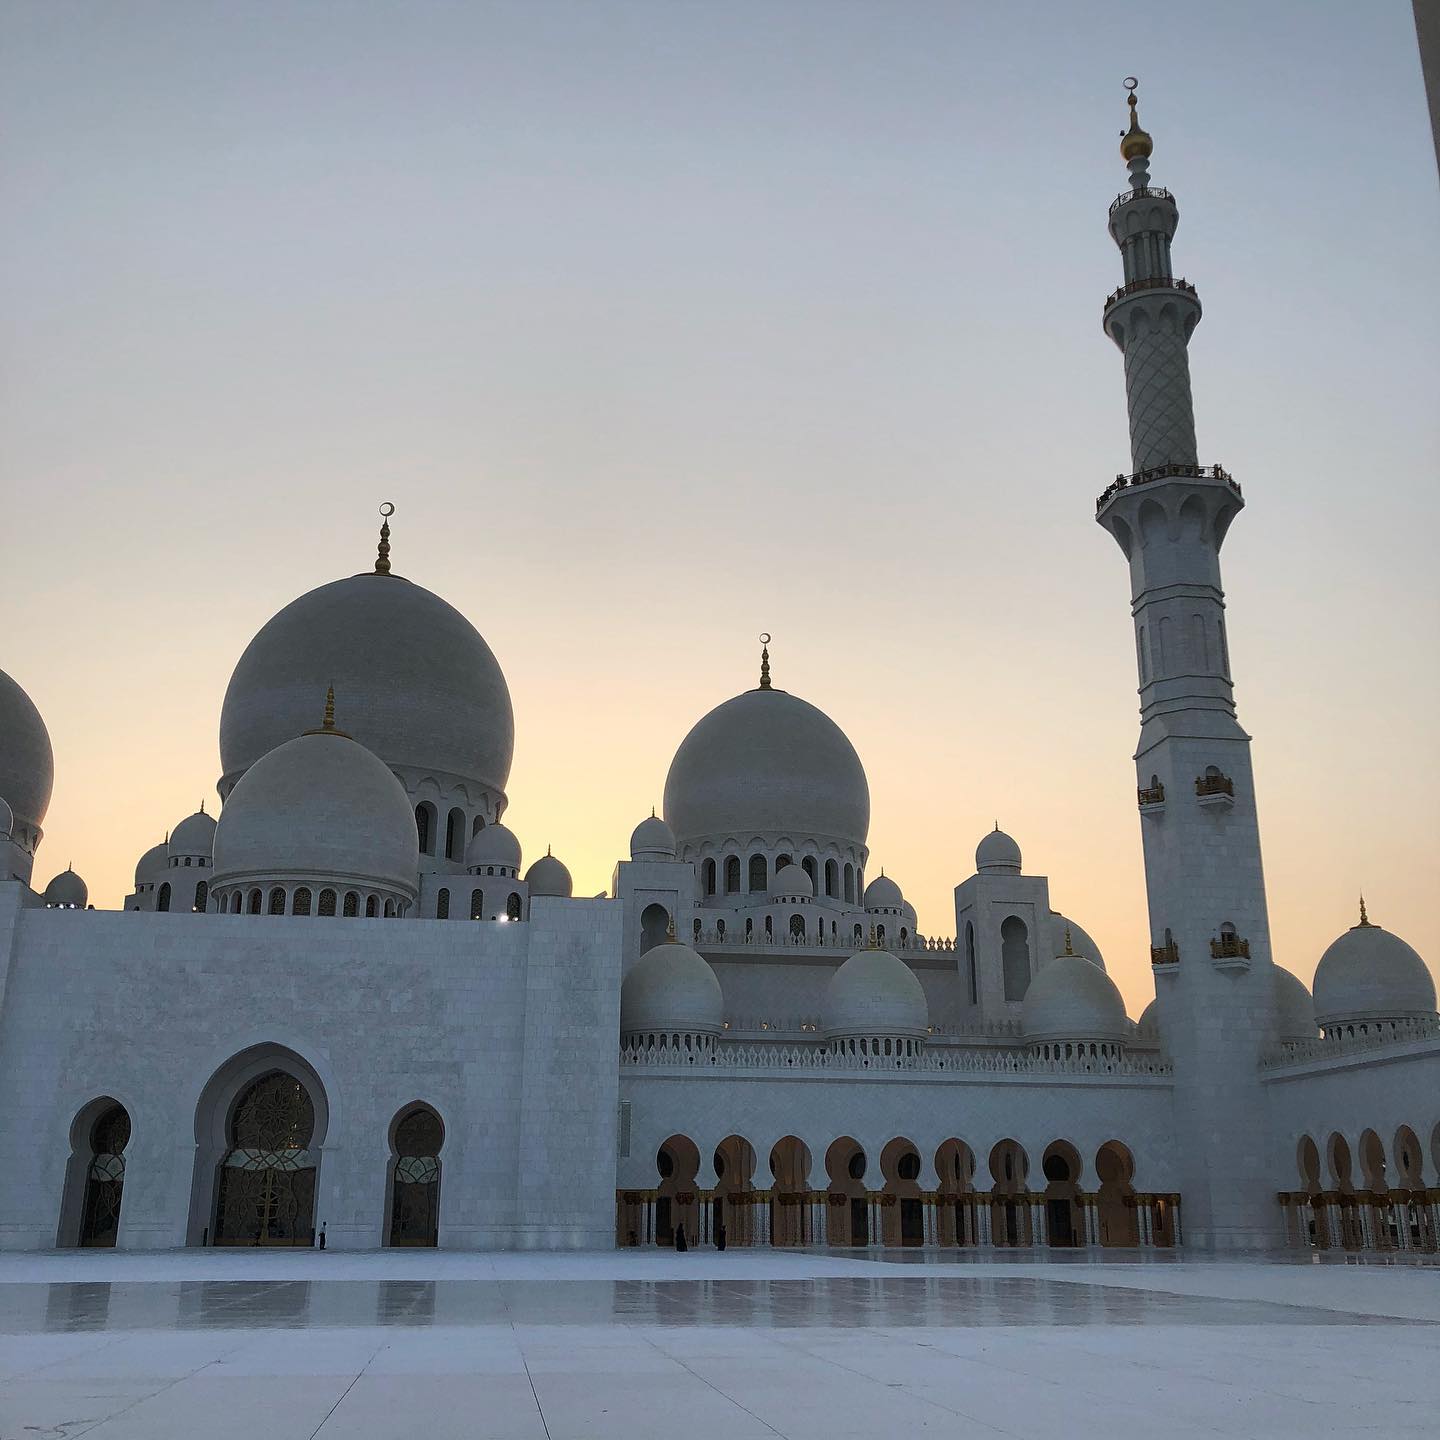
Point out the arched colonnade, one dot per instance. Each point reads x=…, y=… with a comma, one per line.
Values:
x=843, y=1196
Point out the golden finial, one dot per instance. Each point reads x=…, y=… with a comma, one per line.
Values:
x=327, y=726
x=202, y=804
x=382, y=557
x=1364, y=918
x=764, y=659
x=1135, y=144
x=1068, y=950
x=670, y=935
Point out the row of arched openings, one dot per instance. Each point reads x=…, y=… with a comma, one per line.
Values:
x=264, y=1186
x=847, y=1207
x=303, y=901
x=513, y=905
x=164, y=896
x=456, y=832
x=832, y=880
x=1366, y=1198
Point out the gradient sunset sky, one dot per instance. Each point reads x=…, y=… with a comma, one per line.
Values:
x=663, y=324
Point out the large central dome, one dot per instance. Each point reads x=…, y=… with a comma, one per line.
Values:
x=420, y=687
x=767, y=762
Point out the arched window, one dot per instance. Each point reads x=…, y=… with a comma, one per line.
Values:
x=797, y=927
x=162, y=900
x=849, y=883
x=769, y=926
x=1015, y=957
x=477, y=826
x=202, y=895
x=350, y=907
x=442, y=905
x=781, y=861
x=832, y=879
x=255, y=901
x=266, y=1194
x=759, y=874
x=477, y=904
x=809, y=867
x=236, y=902
x=879, y=934
x=301, y=903
x=415, y=1178
x=859, y=935
x=732, y=874
x=696, y=931
x=425, y=827
x=512, y=907
x=709, y=877
x=749, y=927
x=389, y=910
x=455, y=835
x=372, y=907
x=277, y=901
x=327, y=903
x=720, y=929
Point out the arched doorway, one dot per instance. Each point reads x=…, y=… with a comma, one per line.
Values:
x=790, y=1192
x=1410, y=1166
x=956, y=1218
x=1315, y=1231
x=654, y=927
x=1009, y=1200
x=902, y=1212
x=1115, y=1202
x=1383, y=1221
x=1352, y=1233
x=259, y=1126
x=1064, y=1220
x=95, y=1177
x=848, y=1203
x=416, y=1137
x=733, y=1211
x=676, y=1206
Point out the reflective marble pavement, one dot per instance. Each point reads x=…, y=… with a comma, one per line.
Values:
x=220, y=1344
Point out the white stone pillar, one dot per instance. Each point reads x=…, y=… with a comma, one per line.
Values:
x=982, y=1216
x=877, y=1226
x=820, y=1235
x=1146, y=1217
x=1039, y=1232
x=932, y=1228
x=763, y=1218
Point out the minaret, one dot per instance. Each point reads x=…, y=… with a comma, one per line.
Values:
x=1210, y=934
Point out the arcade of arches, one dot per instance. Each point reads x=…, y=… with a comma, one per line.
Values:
x=1367, y=1198
x=846, y=1197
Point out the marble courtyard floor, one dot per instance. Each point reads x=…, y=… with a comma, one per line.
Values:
x=808, y=1346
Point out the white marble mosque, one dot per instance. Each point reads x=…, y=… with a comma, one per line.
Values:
x=344, y=1006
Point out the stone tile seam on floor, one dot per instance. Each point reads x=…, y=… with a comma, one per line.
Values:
x=355, y=1380
x=695, y=1375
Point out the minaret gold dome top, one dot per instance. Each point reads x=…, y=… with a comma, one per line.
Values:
x=1135, y=144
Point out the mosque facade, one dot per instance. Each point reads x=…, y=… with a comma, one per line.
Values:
x=344, y=1011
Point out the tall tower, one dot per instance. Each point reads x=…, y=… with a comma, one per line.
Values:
x=1210, y=934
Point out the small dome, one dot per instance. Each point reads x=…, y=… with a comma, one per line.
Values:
x=494, y=845
x=997, y=854
x=882, y=893
x=791, y=880
x=1370, y=974
x=1080, y=941
x=548, y=876
x=1071, y=999
x=151, y=866
x=767, y=763
x=1294, y=1009
x=194, y=835
x=67, y=891
x=320, y=805
x=671, y=988
x=1149, y=1025
x=652, y=839
x=874, y=993
x=27, y=763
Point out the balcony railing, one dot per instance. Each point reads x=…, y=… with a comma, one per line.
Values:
x=1229, y=947
x=1143, y=192
x=1168, y=472
x=1165, y=954
x=1151, y=795
x=1214, y=785
x=1150, y=282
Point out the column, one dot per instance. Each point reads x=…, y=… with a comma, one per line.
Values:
x=822, y=1218
x=1039, y=1232
x=649, y=1217
x=877, y=1229
x=762, y=1218
x=932, y=1229
x=1146, y=1216
x=982, y=1214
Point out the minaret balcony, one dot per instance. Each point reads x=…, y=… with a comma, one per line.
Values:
x=1215, y=792
x=1151, y=282
x=1142, y=192
x=1151, y=799
x=1230, y=952
x=1165, y=954
x=1167, y=472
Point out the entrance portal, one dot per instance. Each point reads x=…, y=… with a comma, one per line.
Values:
x=266, y=1190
